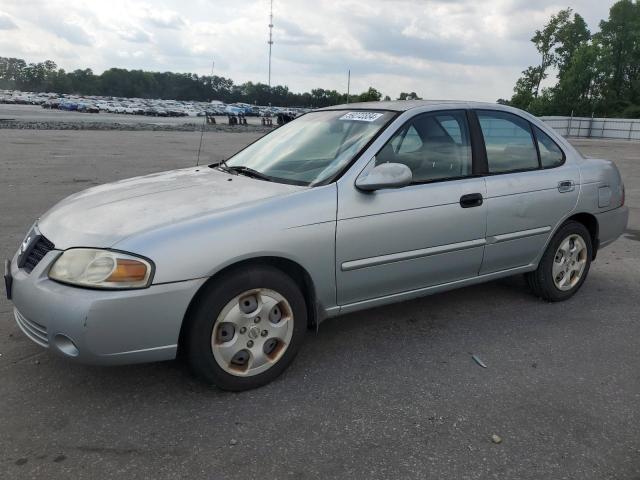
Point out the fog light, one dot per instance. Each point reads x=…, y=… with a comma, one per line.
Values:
x=66, y=345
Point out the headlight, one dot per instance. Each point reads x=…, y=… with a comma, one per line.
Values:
x=88, y=267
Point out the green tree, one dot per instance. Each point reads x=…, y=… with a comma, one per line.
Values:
x=571, y=35
x=619, y=39
x=11, y=71
x=557, y=41
x=59, y=82
x=527, y=86
x=371, y=95
x=409, y=96
x=597, y=73
x=577, y=90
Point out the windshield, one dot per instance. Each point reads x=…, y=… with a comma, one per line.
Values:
x=312, y=148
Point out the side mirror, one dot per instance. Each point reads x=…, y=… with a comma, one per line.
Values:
x=385, y=175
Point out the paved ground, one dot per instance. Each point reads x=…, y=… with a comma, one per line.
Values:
x=35, y=113
x=385, y=393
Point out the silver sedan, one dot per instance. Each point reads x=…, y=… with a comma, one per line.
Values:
x=345, y=208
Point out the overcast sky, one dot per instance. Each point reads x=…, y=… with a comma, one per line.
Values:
x=457, y=49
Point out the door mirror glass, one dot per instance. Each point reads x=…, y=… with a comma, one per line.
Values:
x=385, y=175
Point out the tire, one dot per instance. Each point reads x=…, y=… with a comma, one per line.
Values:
x=226, y=344
x=567, y=280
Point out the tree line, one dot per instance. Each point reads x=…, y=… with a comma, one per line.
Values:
x=16, y=73
x=595, y=73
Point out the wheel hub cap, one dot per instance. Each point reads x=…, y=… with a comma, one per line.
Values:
x=252, y=332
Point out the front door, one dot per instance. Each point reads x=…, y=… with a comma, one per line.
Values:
x=428, y=233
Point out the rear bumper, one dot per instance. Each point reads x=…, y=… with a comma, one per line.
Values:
x=611, y=225
x=96, y=326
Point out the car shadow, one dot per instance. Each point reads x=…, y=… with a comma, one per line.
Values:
x=441, y=318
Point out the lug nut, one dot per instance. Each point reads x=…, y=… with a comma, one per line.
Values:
x=243, y=329
x=250, y=343
x=264, y=333
x=257, y=319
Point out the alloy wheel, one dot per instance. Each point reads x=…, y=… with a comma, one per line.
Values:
x=569, y=262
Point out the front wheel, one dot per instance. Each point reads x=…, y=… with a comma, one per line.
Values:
x=564, y=265
x=246, y=328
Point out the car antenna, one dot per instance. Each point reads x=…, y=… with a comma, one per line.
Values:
x=204, y=119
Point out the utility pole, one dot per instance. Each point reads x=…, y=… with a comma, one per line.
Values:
x=270, y=42
x=348, y=83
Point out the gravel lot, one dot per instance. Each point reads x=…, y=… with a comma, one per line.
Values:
x=42, y=117
x=385, y=393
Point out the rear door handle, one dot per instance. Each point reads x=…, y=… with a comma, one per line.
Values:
x=566, y=186
x=471, y=200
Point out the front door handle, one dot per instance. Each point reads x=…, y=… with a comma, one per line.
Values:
x=566, y=186
x=471, y=200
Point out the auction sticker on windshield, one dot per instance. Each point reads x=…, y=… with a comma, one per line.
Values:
x=361, y=116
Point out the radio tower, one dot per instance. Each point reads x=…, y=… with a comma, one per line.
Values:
x=270, y=42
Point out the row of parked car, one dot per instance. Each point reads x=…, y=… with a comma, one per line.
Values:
x=141, y=106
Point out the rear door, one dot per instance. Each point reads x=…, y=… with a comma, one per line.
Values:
x=530, y=189
x=428, y=233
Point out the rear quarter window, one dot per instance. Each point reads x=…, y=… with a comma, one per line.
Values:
x=551, y=154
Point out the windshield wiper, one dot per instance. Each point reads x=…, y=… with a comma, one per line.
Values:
x=249, y=172
x=221, y=165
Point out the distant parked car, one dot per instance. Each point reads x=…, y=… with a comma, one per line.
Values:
x=68, y=105
x=342, y=209
x=88, y=108
x=22, y=100
x=53, y=103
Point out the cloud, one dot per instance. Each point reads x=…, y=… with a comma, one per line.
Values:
x=291, y=34
x=6, y=22
x=135, y=35
x=165, y=19
x=69, y=30
x=75, y=34
x=437, y=48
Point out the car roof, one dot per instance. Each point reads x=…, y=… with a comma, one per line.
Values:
x=404, y=105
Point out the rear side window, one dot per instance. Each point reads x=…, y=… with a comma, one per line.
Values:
x=509, y=142
x=550, y=153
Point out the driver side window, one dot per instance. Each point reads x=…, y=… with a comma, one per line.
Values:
x=434, y=146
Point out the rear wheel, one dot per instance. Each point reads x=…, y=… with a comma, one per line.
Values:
x=564, y=265
x=246, y=328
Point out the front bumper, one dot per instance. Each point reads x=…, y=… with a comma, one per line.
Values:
x=100, y=327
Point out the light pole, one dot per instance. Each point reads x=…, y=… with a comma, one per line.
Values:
x=270, y=42
x=348, y=83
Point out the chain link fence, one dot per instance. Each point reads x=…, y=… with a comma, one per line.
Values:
x=589, y=127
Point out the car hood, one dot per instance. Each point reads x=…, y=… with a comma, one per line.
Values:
x=103, y=215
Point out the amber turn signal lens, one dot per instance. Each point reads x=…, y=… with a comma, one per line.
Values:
x=128, y=271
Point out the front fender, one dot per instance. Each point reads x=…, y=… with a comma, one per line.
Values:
x=299, y=227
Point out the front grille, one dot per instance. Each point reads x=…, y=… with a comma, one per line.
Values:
x=37, y=253
x=31, y=329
